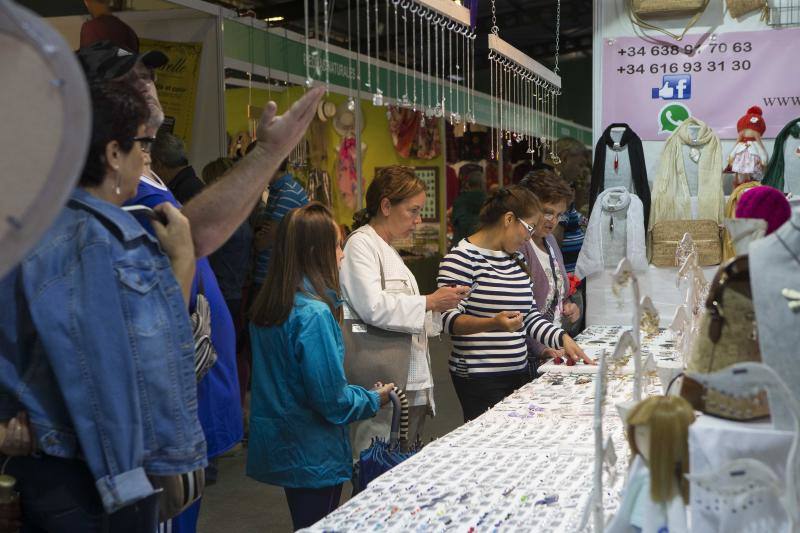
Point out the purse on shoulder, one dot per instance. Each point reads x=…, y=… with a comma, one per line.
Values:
x=640, y=9
x=374, y=354
x=205, y=355
x=728, y=334
x=178, y=492
x=667, y=234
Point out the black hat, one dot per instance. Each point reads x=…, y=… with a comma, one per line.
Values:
x=104, y=60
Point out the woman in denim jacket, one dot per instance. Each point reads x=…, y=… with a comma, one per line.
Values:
x=301, y=401
x=96, y=344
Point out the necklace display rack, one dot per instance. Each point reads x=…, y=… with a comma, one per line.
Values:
x=428, y=49
x=524, y=96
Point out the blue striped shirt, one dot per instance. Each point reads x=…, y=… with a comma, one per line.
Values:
x=285, y=194
x=572, y=242
x=498, y=284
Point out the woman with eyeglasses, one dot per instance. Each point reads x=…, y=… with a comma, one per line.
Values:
x=490, y=327
x=96, y=344
x=543, y=256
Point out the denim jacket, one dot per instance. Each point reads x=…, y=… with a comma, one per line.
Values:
x=96, y=345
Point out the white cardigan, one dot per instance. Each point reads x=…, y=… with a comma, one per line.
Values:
x=398, y=308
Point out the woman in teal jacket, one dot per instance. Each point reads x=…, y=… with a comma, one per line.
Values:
x=301, y=401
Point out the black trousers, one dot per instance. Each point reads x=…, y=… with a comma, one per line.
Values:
x=477, y=394
x=309, y=506
x=59, y=496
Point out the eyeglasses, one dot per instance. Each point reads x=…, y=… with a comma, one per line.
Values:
x=145, y=142
x=530, y=229
x=551, y=217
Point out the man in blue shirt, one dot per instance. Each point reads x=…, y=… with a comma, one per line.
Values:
x=214, y=214
x=285, y=194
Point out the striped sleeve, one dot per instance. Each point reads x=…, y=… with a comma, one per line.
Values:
x=289, y=198
x=539, y=328
x=456, y=268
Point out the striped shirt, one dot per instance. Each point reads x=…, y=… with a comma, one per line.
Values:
x=498, y=284
x=285, y=194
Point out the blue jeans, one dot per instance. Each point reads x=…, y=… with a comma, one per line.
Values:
x=59, y=496
x=309, y=506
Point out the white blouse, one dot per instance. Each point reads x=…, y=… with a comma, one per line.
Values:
x=399, y=307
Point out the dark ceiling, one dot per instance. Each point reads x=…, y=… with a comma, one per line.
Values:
x=529, y=25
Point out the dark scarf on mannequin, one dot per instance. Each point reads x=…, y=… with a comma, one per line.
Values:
x=638, y=168
x=774, y=174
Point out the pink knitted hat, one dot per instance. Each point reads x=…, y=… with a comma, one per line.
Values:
x=766, y=203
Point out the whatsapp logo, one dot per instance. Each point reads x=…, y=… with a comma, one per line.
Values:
x=671, y=116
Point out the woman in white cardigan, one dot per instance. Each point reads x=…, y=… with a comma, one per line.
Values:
x=395, y=199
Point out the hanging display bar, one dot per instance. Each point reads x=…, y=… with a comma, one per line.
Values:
x=455, y=12
x=499, y=46
x=522, y=88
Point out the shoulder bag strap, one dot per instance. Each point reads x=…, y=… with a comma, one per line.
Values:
x=637, y=20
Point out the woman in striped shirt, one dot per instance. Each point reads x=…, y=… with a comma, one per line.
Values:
x=489, y=328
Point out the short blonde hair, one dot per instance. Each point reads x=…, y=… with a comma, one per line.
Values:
x=668, y=418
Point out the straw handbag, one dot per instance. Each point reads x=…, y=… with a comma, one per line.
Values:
x=737, y=8
x=666, y=235
x=727, y=335
x=640, y=9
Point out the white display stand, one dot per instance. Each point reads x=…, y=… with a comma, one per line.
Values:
x=729, y=481
x=603, y=308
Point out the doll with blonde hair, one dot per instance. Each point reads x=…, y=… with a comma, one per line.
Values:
x=656, y=491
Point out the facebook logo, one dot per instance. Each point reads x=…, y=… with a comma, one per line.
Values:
x=677, y=87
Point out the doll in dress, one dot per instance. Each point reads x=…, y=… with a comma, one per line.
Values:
x=748, y=159
x=656, y=492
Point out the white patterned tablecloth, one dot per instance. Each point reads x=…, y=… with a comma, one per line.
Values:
x=524, y=465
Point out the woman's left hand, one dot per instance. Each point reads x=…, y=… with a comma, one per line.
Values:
x=575, y=352
x=571, y=312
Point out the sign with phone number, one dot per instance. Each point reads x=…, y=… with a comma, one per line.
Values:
x=654, y=87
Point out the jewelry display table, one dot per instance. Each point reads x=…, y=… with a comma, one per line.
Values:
x=526, y=464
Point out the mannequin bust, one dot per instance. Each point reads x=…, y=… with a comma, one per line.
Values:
x=776, y=258
x=618, y=166
x=656, y=492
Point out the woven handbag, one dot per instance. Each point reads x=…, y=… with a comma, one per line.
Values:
x=727, y=335
x=666, y=235
x=640, y=9
x=737, y=8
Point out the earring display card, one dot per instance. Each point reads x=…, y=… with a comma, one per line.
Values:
x=524, y=465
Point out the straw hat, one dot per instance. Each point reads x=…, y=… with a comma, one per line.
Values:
x=325, y=110
x=345, y=121
x=57, y=115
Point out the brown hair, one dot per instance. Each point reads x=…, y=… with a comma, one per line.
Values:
x=668, y=418
x=305, y=249
x=518, y=200
x=397, y=183
x=216, y=169
x=547, y=187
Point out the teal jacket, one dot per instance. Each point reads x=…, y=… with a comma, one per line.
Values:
x=301, y=402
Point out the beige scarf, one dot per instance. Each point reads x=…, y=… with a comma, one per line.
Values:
x=671, y=190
